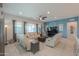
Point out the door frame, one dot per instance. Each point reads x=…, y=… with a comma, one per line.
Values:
x=68, y=28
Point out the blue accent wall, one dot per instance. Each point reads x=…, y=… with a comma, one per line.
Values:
x=64, y=22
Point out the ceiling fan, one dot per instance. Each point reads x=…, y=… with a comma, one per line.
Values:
x=42, y=17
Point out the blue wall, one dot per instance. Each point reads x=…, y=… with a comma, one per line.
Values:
x=64, y=22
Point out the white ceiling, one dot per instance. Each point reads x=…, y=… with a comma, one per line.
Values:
x=57, y=10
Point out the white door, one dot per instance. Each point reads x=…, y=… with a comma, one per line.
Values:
x=72, y=28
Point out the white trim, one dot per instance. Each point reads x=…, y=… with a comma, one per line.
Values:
x=68, y=32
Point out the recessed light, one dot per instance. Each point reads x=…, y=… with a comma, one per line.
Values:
x=48, y=12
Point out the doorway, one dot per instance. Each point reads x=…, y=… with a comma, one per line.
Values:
x=72, y=28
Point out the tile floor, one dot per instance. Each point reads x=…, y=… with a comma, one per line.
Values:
x=15, y=50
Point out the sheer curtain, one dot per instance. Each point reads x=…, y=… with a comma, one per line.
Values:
x=19, y=30
x=30, y=27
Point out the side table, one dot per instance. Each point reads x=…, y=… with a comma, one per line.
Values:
x=34, y=47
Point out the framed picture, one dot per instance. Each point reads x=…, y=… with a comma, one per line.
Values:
x=60, y=27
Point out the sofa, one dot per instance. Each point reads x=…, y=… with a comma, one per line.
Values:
x=53, y=41
x=25, y=39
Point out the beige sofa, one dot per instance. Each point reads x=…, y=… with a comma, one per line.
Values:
x=25, y=40
x=32, y=35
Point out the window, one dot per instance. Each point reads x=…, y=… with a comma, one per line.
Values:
x=60, y=27
x=30, y=27
x=39, y=27
x=19, y=27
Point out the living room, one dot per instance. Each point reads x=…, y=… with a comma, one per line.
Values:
x=34, y=29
